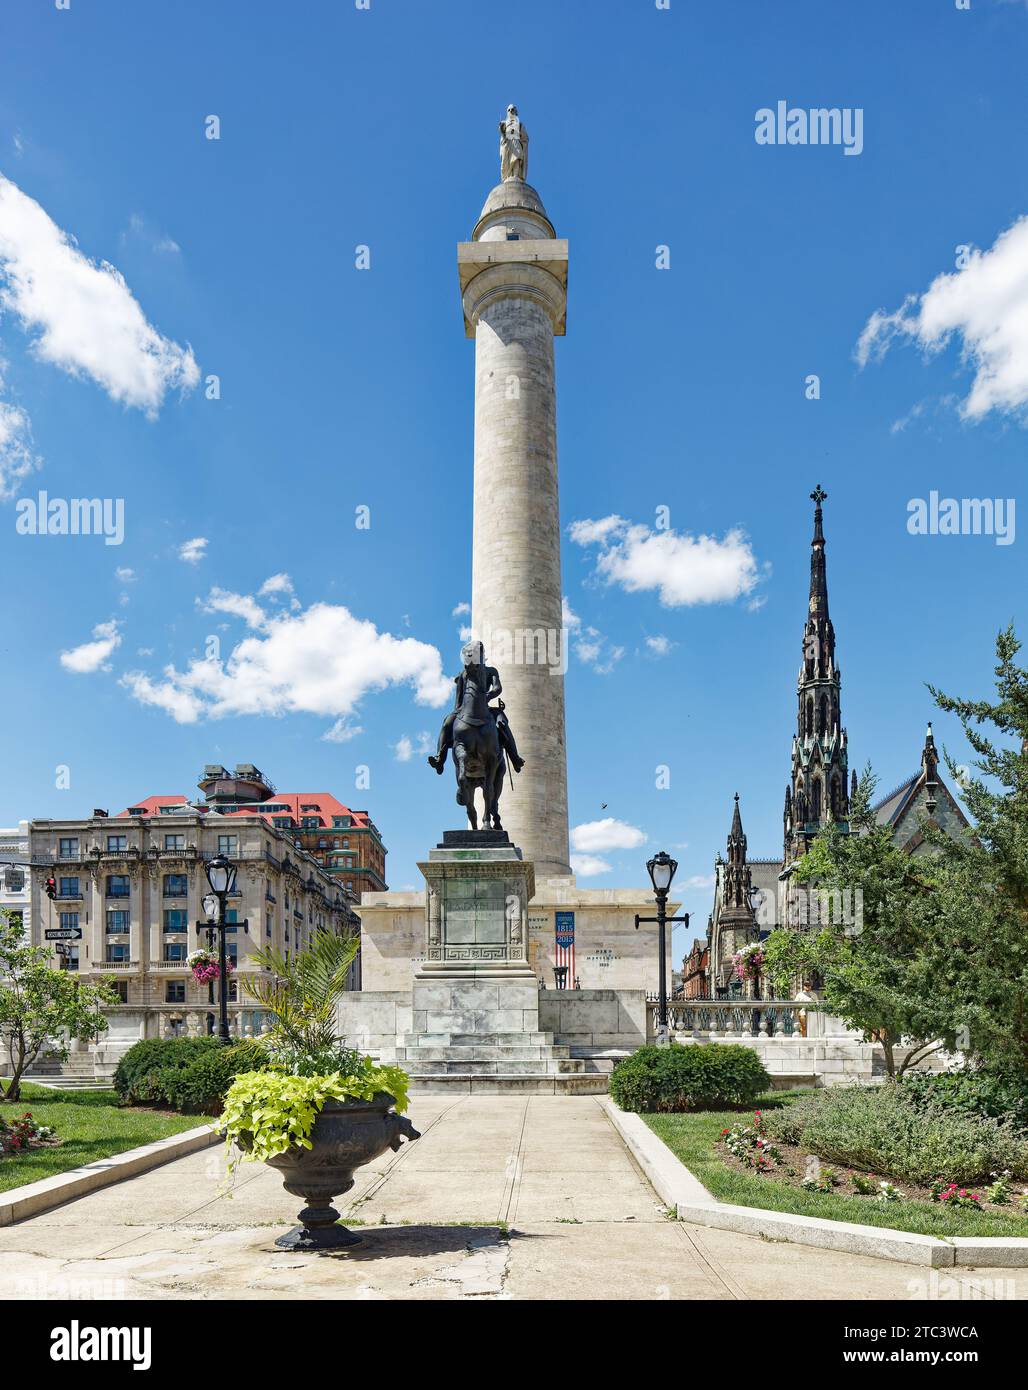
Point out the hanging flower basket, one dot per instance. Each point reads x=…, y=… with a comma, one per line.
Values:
x=205, y=966
x=749, y=961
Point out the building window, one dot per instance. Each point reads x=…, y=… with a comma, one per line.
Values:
x=117, y=921
x=174, y=950
x=176, y=886
x=232, y=954
x=267, y=926
x=72, y=958
x=117, y=951
x=233, y=991
x=231, y=919
x=69, y=847
x=117, y=885
x=227, y=844
x=309, y=822
x=68, y=920
x=69, y=888
x=174, y=842
x=176, y=919
x=121, y=990
x=116, y=843
x=175, y=992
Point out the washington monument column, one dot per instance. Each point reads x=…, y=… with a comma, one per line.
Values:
x=513, y=279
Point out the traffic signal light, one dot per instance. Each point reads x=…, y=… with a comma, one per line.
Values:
x=51, y=887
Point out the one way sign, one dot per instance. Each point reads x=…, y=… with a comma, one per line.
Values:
x=63, y=934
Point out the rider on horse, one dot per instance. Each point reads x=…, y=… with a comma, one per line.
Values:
x=473, y=656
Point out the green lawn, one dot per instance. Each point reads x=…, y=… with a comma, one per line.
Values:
x=693, y=1138
x=91, y=1124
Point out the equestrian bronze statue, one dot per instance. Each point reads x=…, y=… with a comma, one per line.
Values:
x=480, y=738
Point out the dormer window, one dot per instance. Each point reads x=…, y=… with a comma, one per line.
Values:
x=513, y=235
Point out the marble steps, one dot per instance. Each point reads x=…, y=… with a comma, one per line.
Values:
x=458, y=1066
x=443, y=1039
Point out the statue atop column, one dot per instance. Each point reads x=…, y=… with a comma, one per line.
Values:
x=480, y=737
x=513, y=147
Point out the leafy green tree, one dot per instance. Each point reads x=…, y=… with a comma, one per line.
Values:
x=41, y=1007
x=980, y=917
x=874, y=967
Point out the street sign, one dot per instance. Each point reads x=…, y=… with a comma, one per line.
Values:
x=63, y=934
x=62, y=950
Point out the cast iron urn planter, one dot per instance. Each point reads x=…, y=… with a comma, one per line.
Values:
x=346, y=1135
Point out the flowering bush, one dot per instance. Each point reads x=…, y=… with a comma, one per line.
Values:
x=749, y=961
x=953, y=1196
x=24, y=1133
x=750, y=1145
x=205, y=966
x=887, y=1193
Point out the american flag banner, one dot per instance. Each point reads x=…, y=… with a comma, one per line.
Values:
x=564, y=952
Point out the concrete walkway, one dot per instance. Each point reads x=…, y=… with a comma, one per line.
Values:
x=524, y=1198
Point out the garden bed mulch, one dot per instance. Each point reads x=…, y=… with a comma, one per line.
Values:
x=795, y=1162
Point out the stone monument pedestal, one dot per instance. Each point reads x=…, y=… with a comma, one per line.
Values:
x=475, y=998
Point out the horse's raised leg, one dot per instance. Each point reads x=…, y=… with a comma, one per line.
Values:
x=465, y=787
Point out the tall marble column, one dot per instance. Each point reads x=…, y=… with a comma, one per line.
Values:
x=513, y=276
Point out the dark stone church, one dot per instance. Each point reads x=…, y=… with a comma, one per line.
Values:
x=753, y=896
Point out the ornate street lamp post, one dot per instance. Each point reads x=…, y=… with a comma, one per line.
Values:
x=661, y=869
x=221, y=875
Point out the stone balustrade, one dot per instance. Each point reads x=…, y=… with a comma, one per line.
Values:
x=731, y=1018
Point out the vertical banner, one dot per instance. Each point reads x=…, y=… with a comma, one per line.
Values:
x=564, y=952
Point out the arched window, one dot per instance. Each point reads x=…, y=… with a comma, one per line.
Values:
x=822, y=715
x=815, y=800
x=835, y=799
x=810, y=714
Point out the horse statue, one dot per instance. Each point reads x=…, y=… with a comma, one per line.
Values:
x=480, y=738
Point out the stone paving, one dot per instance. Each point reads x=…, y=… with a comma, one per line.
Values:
x=502, y=1198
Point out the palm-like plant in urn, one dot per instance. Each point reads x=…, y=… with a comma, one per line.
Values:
x=319, y=1110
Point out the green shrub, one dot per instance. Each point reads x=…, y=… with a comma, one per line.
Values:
x=972, y=1093
x=187, y=1074
x=883, y=1130
x=692, y=1077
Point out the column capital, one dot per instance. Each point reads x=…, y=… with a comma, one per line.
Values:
x=536, y=270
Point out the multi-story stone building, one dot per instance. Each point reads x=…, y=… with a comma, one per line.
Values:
x=133, y=883
x=346, y=843
x=15, y=887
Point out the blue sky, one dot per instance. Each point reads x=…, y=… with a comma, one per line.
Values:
x=682, y=388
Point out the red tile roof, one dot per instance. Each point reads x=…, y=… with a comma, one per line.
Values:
x=325, y=806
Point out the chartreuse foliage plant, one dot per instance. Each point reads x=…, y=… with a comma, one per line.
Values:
x=271, y=1110
x=267, y=1112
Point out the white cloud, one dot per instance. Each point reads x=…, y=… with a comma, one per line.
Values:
x=985, y=305
x=460, y=610
x=193, y=551
x=322, y=660
x=592, y=648
x=92, y=656
x=589, y=865
x=596, y=532
x=83, y=314
x=280, y=586
x=342, y=731
x=239, y=605
x=683, y=569
x=17, y=458
x=659, y=645
x=597, y=836
x=124, y=575
x=183, y=706
x=569, y=619
x=699, y=881
x=405, y=748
